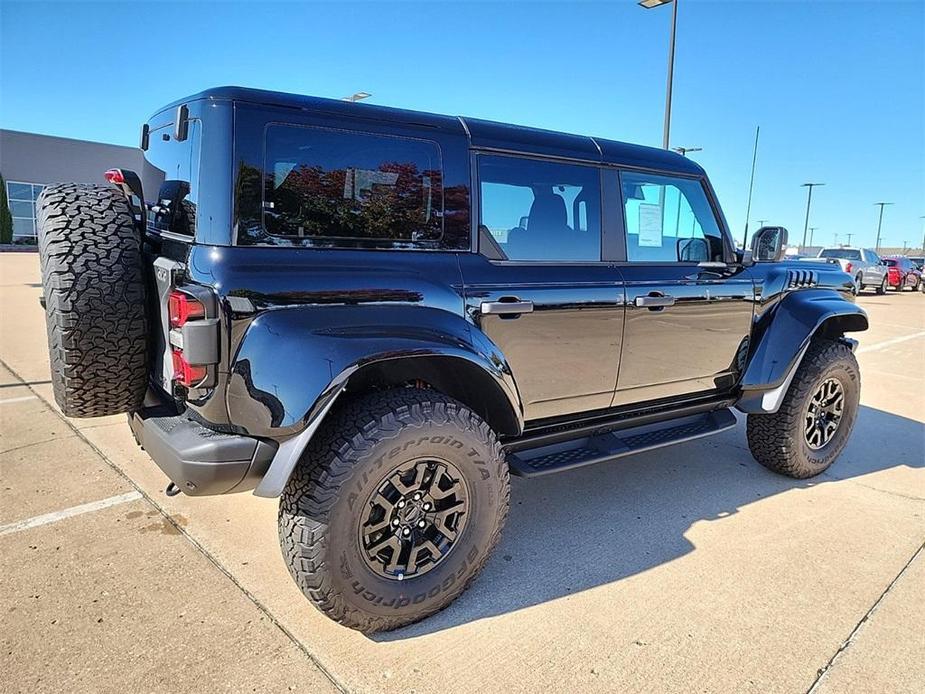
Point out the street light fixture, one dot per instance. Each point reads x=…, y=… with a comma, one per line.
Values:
x=652, y=4
x=880, y=223
x=684, y=150
x=761, y=222
x=809, y=201
x=357, y=96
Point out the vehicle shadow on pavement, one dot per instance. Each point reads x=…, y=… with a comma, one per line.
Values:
x=577, y=530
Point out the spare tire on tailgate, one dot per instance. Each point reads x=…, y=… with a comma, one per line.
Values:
x=93, y=280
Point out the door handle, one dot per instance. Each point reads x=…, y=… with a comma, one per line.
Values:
x=506, y=308
x=654, y=301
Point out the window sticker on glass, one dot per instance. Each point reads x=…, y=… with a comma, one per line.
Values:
x=650, y=225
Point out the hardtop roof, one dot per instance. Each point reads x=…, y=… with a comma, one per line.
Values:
x=480, y=133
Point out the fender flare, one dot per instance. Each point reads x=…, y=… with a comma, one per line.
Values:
x=783, y=336
x=294, y=363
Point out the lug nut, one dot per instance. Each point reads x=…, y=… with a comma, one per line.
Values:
x=394, y=521
x=422, y=523
x=417, y=496
x=427, y=506
x=406, y=532
x=401, y=504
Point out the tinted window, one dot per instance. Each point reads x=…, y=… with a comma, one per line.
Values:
x=843, y=253
x=889, y=262
x=177, y=164
x=326, y=184
x=669, y=220
x=539, y=210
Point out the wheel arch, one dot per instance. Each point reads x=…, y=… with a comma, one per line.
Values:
x=784, y=335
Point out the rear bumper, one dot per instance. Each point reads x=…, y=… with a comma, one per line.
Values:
x=197, y=459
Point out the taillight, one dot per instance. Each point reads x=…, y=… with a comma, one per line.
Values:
x=893, y=273
x=182, y=307
x=185, y=373
x=114, y=176
x=848, y=267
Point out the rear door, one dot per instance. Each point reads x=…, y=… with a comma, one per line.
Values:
x=538, y=287
x=688, y=306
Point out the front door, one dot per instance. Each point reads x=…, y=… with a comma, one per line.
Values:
x=688, y=308
x=538, y=288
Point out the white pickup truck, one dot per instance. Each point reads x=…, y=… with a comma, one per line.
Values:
x=862, y=264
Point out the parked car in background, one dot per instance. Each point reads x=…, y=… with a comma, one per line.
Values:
x=862, y=264
x=918, y=261
x=902, y=273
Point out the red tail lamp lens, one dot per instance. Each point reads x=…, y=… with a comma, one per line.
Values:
x=181, y=308
x=114, y=176
x=848, y=267
x=185, y=373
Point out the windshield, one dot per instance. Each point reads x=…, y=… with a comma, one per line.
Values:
x=843, y=253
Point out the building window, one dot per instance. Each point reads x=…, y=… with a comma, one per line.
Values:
x=22, y=197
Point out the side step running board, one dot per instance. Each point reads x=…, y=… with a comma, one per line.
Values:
x=588, y=450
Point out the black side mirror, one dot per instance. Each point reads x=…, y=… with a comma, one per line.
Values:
x=768, y=244
x=693, y=250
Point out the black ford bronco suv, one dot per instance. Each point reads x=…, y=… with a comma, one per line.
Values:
x=378, y=315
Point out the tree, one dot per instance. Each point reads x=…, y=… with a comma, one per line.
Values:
x=6, y=217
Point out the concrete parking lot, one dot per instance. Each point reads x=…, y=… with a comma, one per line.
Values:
x=688, y=569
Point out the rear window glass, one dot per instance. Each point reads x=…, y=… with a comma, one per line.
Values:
x=890, y=262
x=843, y=253
x=173, y=208
x=333, y=185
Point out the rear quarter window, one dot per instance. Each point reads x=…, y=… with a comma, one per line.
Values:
x=176, y=165
x=344, y=188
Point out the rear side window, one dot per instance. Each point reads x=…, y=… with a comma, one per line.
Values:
x=842, y=253
x=334, y=186
x=540, y=210
x=173, y=208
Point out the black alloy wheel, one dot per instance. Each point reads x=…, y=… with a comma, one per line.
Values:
x=823, y=414
x=412, y=520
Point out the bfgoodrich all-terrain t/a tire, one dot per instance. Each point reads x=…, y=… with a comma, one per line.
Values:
x=395, y=507
x=809, y=431
x=93, y=282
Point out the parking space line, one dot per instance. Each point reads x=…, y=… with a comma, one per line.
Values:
x=889, y=343
x=8, y=401
x=47, y=518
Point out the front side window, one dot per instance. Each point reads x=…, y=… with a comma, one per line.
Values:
x=539, y=210
x=331, y=186
x=669, y=220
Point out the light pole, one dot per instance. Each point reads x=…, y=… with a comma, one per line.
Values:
x=849, y=237
x=880, y=223
x=761, y=222
x=650, y=4
x=811, y=230
x=357, y=96
x=683, y=152
x=809, y=201
x=923, y=236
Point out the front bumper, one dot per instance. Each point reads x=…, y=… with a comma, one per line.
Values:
x=199, y=460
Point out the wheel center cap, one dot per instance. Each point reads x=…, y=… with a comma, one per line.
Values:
x=411, y=513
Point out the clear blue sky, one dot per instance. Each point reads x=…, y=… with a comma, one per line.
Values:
x=837, y=87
